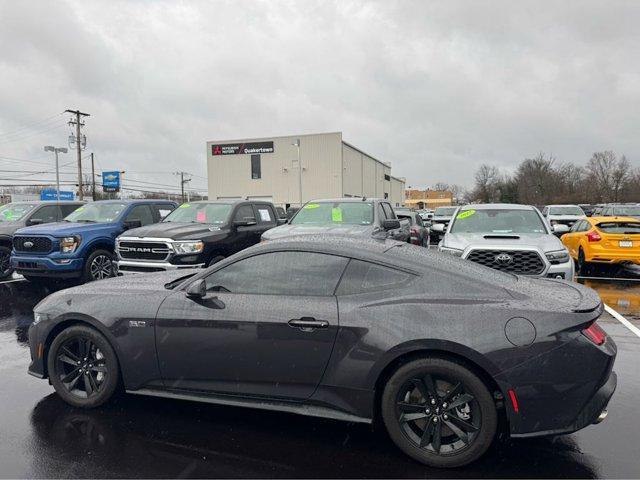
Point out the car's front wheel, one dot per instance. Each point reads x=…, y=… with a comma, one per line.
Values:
x=83, y=367
x=5, y=263
x=98, y=266
x=439, y=412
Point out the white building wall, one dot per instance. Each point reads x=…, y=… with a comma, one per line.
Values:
x=397, y=191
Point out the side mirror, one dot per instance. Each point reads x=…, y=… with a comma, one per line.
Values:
x=438, y=227
x=132, y=224
x=390, y=224
x=36, y=221
x=197, y=290
x=560, y=228
x=247, y=222
x=282, y=221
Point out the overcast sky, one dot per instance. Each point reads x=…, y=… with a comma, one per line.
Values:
x=436, y=88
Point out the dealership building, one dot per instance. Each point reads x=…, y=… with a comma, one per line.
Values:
x=269, y=169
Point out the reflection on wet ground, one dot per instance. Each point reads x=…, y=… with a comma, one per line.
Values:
x=150, y=437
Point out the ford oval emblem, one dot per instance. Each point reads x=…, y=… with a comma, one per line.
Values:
x=28, y=244
x=503, y=259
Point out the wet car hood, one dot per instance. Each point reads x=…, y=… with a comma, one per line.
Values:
x=174, y=230
x=287, y=230
x=543, y=241
x=9, y=228
x=61, y=229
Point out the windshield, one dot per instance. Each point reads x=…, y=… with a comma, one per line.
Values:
x=502, y=221
x=15, y=211
x=628, y=228
x=97, y=213
x=568, y=210
x=332, y=213
x=211, y=213
x=444, y=211
x=627, y=210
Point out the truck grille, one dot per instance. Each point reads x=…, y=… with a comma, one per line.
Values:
x=32, y=244
x=158, y=251
x=521, y=262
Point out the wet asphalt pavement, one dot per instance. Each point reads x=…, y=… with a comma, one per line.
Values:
x=40, y=436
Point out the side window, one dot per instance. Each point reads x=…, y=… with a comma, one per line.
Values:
x=244, y=213
x=575, y=227
x=67, y=209
x=47, y=214
x=388, y=211
x=419, y=220
x=585, y=227
x=382, y=213
x=364, y=277
x=142, y=213
x=264, y=214
x=280, y=273
x=162, y=210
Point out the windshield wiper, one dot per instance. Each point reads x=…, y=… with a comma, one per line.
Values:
x=86, y=221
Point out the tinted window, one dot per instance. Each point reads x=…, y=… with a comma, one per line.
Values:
x=280, y=273
x=362, y=277
x=566, y=210
x=244, y=213
x=625, y=210
x=67, y=209
x=142, y=213
x=628, y=228
x=162, y=210
x=265, y=214
x=444, y=211
x=47, y=214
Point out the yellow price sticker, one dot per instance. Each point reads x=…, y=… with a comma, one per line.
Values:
x=466, y=214
x=311, y=206
x=336, y=215
x=184, y=205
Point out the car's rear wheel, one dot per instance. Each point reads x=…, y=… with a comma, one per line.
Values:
x=83, y=367
x=583, y=266
x=98, y=266
x=439, y=412
x=5, y=263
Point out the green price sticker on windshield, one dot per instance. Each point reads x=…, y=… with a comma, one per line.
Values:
x=336, y=215
x=311, y=206
x=184, y=205
x=466, y=214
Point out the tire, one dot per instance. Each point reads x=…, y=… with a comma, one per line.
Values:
x=583, y=266
x=215, y=260
x=5, y=263
x=415, y=423
x=98, y=375
x=98, y=266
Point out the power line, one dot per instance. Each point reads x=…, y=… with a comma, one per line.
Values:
x=31, y=125
x=21, y=138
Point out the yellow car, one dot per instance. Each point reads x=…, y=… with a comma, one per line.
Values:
x=603, y=240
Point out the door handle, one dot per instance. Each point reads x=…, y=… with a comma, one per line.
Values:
x=308, y=323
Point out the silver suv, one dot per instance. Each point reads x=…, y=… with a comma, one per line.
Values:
x=511, y=238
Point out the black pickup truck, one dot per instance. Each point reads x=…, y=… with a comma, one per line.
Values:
x=196, y=234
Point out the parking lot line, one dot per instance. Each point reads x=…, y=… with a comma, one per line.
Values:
x=622, y=320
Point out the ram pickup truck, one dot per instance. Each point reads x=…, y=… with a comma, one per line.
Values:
x=82, y=245
x=14, y=216
x=196, y=234
x=344, y=216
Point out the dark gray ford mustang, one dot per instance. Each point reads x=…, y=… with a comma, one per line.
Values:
x=446, y=352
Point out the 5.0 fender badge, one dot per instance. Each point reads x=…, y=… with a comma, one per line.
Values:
x=137, y=323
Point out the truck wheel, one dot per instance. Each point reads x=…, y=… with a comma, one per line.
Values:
x=98, y=266
x=215, y=260
x=5, y=263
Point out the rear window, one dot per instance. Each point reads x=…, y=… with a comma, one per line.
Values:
x=565, y=210
x=629, y=228
x=363, y=277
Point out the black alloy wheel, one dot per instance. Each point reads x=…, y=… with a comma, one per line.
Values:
x=439, y=412
x=5, y=263
x=83, y=367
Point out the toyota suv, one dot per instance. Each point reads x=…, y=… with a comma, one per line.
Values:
x=511, y=238
x=82, y=245
x=196, y=234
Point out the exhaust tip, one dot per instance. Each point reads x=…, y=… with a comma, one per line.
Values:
x=601, y=417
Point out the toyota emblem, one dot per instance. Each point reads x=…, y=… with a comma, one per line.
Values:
x=503, y=259
x=28, y=244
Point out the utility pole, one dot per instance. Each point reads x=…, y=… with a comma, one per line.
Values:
x=297, y=145
x=182, y=182
x=93, y=179
x=79, y=142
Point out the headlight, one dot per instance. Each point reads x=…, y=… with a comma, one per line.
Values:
x=188, y=247
x=69, y=244
x=456, y=252
x=559, y=256
x=38, y=317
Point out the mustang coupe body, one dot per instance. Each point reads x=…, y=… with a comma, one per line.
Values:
x=443, y=350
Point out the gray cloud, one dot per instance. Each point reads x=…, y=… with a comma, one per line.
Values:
x=434, y=87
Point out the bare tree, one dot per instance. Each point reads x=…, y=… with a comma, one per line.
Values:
x=487, y=178
x=441, y=186
x=607, y=175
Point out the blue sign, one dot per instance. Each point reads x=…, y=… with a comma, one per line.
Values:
x=111, y=181
x=51, y=194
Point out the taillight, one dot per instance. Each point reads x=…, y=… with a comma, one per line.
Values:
x=595, y=334
x=594, y=236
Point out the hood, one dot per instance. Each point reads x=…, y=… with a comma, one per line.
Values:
x=9, y=228
x=287, y=230
x=133, y=284
x=175, y=230
x=61, y=229
x=543, y=241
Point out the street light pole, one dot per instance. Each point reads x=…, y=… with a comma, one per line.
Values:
x=56, y=150
x=297, y=145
